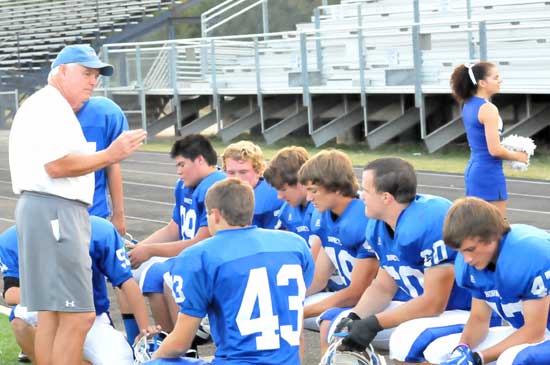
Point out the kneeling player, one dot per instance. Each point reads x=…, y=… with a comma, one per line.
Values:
x=226, y=275
x=414, y=291
x=507, y=270
x=103, y=345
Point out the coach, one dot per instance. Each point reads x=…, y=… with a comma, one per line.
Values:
x=51, y=167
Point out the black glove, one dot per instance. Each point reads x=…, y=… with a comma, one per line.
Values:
x=362, y=333
x=345, y=323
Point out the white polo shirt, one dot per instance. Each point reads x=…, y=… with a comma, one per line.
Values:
x=45, y=129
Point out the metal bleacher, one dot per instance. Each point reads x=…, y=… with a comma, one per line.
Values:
x=369, y=69
x=34, y=31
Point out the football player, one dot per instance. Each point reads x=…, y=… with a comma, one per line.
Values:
x=339, y=221
x=506, y=268
x=250, y=281
x=245, y=160
x=296, y=211
x=196, y=166
x=414, y=290
x=103, y=345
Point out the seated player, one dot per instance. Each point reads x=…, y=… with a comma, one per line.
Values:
x=339, y=221
x=414, y=291
x=245, y=160
x=103, y=345
x=196, y=166
x=506, y=268
x=250, y=281
x=295, y=213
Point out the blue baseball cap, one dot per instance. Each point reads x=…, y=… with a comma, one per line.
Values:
x=83, y=55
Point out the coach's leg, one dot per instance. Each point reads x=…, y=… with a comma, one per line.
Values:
x=24, y=336
x=45, y=336
x=69, y=339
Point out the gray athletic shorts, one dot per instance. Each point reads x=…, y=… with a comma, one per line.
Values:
x=54, y=261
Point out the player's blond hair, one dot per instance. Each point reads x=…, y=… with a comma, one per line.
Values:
x=245, y=151
x=234, y=199
x=331, y=169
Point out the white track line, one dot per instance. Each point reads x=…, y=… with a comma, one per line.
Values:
x=455, y=188
x=148, y=201
x=462, y=176
x=146, y=219
x=7, y=220
x=150, y=173
x=171, y=187
x=151, y=162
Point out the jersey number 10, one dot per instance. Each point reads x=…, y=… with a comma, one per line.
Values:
x=267, y=323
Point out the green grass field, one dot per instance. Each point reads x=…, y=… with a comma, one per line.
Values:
x=452, y=158
x=8, y=348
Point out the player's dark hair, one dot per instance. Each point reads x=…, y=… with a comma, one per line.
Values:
x=193, y=146
x=395, y=176
x=234, y=199
x=461, y=83
x=284, y=166
x=331, y=169
x=471, y=218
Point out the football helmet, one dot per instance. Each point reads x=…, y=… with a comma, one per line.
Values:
x=335, y=356
x=203, y=336
x=144, y=348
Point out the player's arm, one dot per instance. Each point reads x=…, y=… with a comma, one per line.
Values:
x=72, y=165
x=140, y=253
x=535, y=314
x=12, y=293
x=170, y=249
x=323, y=270
x=179, y=340
x=377, y=296
x=114, y=179
x=364, y=271
x=130, y=288
x=438, y=283
x=478, y=323
x=488, y=115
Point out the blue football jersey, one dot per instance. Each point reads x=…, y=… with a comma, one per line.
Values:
x=109, y=260
x=189, y=211
x=251, y=282
x=296, y=219
x=102, y=121
x=522, y=273
x=417, y=244
x=266, y=205
x=343, y=238
x=9, y=253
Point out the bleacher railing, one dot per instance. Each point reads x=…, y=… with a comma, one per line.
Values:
x=357, y=59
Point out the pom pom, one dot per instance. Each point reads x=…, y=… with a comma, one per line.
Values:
x=520, y=144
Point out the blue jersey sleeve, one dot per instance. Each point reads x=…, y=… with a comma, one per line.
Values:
x=177, y=201
x=465, y=279
x=190, y=285
x=9, y=253
x=527, y=263
x=111, y=260
x=308, y=267
x=116, y=125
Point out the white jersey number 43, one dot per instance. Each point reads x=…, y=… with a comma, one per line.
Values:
x=267, y=324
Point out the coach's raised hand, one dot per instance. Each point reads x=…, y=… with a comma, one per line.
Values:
x=126, y=144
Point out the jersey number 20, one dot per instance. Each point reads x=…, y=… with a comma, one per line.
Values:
x=267, y=323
